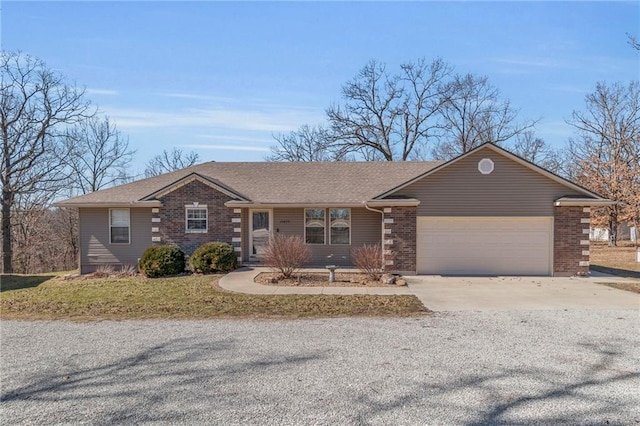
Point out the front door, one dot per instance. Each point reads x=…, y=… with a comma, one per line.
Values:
x=260, y=232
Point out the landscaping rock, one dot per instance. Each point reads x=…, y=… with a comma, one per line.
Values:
x=401, y=282
x=388, y=279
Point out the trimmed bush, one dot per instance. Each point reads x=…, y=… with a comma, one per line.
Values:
x=286, y=254
x=369, y=259
x=162, y=260
x=213, y=257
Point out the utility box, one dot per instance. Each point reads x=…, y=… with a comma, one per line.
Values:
x=638, y=255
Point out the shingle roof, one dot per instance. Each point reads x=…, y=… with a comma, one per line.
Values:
x=273, y=182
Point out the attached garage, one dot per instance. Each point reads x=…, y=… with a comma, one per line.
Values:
x=484, y=245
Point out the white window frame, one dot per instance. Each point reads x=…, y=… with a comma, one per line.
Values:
x=324, y=229
x=186, y=218
x=128, y=227
x=331, y=227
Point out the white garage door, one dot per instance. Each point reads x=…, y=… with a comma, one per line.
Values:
x=484, y=246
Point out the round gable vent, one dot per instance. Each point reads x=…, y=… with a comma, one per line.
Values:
x=485, y=166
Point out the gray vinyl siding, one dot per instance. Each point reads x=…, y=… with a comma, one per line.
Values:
x=510, y=190
x=95, y=248
x=366, y=228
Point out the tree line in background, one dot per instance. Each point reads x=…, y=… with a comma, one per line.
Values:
x=425, y=111
x=55, y=144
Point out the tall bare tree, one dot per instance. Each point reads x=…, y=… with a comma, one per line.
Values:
x=36, y=106
x=308, y=143
x=389, y=116
x=99, y=155
x=536, y=150
x=607, y=150
x=167, y=161
x=473, y=114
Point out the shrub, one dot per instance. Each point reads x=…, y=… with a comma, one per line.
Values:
x=213, y=257
x=286, y=254
x=161, y=260
x=369, y=259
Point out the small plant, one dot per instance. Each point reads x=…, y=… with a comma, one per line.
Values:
x=286, y=254
x=104, y=271
x=127, y=270
x=213, y=257
x=369, y=259
x=161, y=260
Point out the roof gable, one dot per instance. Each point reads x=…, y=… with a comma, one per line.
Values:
x=501, y=151
x=190, y=178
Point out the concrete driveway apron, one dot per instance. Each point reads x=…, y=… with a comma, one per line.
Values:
x=440, y=293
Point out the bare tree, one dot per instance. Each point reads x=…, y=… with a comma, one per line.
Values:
x=36, y=106
x=607, y=150
x=308, y=143
x=170, y=161
x=99, y=156
x=389, y=116
x=474, y=114
x=633, y=41
x=535, y=150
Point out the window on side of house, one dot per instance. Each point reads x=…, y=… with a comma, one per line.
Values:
x=314, y=224
x=119, y=226
x=196, y=219
x=340, y=226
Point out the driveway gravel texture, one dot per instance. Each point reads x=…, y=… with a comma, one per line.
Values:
x=463, y=368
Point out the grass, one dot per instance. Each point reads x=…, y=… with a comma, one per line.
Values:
x=620, y=260
x=47, y=297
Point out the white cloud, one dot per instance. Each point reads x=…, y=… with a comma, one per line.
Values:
x=227, y=138
x=277, y=120
x=103, y=92
x=194, y=96
x=229, y=147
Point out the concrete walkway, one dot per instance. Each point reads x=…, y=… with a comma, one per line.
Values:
x=470, y=293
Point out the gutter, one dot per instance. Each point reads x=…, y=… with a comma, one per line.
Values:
x=578, y=202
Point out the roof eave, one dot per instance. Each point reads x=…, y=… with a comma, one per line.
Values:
x=258, y=205
x=103, y=204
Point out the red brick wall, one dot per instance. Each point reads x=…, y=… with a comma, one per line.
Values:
x=172, y=217
x=400, y=226
x=570, y=241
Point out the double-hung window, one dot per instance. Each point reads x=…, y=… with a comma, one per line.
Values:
x=340, y=226
x=119, y=226
x=196, y=219
x=314, y=224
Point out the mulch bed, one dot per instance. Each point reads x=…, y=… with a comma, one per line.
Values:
x=320, y=279
x=633, y=287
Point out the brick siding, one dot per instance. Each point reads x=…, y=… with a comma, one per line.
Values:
x=400, y=229
x=570, y=241
x=171, y=228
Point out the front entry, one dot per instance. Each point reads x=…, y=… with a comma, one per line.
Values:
x=260, y=225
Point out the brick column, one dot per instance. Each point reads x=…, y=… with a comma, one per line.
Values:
x=236, y=240
x=399, y=243
x=155, y=226
x=571, y=241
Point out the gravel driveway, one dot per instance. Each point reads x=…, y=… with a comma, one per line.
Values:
x=561, y=367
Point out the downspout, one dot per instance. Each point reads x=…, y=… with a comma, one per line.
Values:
x=381, y=231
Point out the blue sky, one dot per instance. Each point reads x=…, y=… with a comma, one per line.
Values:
x=221, y=77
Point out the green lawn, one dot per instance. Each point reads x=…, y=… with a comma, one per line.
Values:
x=184, y=297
